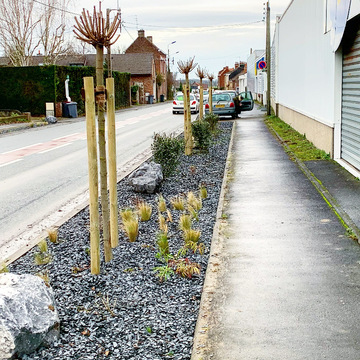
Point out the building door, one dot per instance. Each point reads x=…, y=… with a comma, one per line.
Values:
x=350, y=110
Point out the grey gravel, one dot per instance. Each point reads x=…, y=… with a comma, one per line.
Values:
x=147, y=319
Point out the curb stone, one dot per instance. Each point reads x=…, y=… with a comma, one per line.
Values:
x=206, y=319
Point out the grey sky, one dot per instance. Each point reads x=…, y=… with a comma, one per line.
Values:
x=217, y=33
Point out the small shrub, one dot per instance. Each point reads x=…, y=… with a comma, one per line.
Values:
x=144, y=211
x=185, y=267
x=163, y=272
x=212, y=120
x=202, y=134
x=166, y=152
x=193, y=213
x=178, y=203
x=161, y=203
x=131, y=228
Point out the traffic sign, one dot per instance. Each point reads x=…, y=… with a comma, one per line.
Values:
x=262, y=65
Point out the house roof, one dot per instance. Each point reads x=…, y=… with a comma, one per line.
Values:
x=142, y=42
x=237, y=71
x=135, y=64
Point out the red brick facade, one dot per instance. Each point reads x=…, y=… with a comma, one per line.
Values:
x=145, y=45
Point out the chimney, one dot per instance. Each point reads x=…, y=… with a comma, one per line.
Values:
x=250, y=50
x=141, y=33
x=149, y=38
x=236, y=65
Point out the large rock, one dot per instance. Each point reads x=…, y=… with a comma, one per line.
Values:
x=146, y=178
x=28, y=318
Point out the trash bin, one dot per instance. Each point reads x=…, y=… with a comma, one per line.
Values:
x=151, y=99
x=162, y=98
x=69, y=109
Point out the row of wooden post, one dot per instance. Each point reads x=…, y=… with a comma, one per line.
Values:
x=94, y=173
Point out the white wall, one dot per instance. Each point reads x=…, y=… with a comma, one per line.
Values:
x=305, y=62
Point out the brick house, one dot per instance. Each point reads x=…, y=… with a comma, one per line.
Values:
x=223, y=77
x=143, y=45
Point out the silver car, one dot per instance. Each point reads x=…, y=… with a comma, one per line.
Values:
x=222, y=104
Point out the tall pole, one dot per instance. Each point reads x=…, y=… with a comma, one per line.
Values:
x=268, y=59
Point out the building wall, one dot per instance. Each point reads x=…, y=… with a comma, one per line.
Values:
x=305, y=89
x=146, y=80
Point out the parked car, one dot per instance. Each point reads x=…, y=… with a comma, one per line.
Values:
x=178, y=104
x=205, y=96
x=222, y=104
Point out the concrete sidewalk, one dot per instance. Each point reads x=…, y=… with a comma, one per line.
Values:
x=287, y=278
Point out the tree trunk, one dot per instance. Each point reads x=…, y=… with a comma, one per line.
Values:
x=102, y=152
x=187, y=118
x=201, y=110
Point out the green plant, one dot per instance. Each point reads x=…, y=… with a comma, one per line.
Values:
x=163, y=272
x=161, y=203
x=127, y=214
x=162, y=224
x=203, y=192
x=213, y=121
x=163, y=245
x=191, y=235
x=144, y=210
x=178, y=203
x=42, y=257
x=166, y=152
x=149, y=329
x=53, y=235
x=185, y=267
x=202, y=134
x=193, y=213
x=3, y=268
x=131, y=228
x=185, y=222
x=194, y=201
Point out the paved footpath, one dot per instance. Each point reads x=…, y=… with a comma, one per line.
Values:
x=289, y=288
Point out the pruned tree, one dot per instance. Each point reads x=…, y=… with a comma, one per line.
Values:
x=185, y=67
x=52, y=29
x=211, y=78
x=100, y=33
x=18, y=25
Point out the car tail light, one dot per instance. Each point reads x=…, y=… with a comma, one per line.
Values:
x=193, y=103
x=174, y=102
x=232, y=104
x=207, y=106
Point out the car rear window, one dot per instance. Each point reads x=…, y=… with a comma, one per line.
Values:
x=180, y=98
x=221, y=97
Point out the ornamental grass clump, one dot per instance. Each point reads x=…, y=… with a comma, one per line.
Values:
x=161, y=203
x=166, y=151
x=203, y=192
x=144, y=211
x=194, y=201
x=178, y=203
x=130, y=223
x=42, y=257
x=53, y=235
x=185, y=222
x=191, y=235
x=163, y=246
x=162, y=223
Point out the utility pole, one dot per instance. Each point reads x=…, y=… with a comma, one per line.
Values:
x=268, y=58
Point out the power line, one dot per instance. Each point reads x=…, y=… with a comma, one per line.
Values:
x=122, y=23
x=201, y=28
x=56, y=8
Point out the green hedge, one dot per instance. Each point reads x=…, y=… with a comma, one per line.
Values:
x=28, y=88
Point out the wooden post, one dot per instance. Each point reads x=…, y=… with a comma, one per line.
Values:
x=100, y=89
x=210, y=98
x=114, y=229
x=188, y=138
x=93, y=175
x=201, y=110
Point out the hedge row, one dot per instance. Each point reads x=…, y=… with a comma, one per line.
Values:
x=28, y=88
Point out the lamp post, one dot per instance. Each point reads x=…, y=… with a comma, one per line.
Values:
x=169, y=54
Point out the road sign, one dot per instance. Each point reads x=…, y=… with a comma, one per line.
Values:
x=262, y=65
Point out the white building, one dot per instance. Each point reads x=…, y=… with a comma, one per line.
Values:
x=256, y=78
x=315, y=75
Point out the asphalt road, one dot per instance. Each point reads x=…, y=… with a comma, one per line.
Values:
x=44, y=169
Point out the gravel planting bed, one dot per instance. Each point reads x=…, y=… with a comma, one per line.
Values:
x=126, y=312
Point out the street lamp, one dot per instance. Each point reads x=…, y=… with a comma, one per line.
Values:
x=169, y=55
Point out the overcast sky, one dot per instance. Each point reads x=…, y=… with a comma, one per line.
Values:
x=217, y=33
